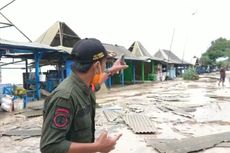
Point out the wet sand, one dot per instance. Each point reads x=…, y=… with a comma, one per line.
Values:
x=4, y=114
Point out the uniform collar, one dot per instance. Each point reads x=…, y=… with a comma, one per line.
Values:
x=80, y=83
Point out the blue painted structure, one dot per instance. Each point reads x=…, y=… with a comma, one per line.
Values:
x=68, y=64
x=108, y=82
x=37, y=57
x=26, y=51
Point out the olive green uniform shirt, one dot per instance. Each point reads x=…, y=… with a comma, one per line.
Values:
x=68, y=116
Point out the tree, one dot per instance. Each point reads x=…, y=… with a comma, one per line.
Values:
x=205, y=60
x=218, y=48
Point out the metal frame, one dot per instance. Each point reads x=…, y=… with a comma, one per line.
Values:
x=17, y=50
x=5, y=25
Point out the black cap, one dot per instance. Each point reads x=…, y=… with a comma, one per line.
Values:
x=89, y=50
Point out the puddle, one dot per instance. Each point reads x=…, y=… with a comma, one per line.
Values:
x=213, y=112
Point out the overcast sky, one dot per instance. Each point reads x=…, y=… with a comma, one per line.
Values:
x=196, y=22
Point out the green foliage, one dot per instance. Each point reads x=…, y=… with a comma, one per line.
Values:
x=218, y=48
x=190, y=74
x=225, y=63
x=205, y=60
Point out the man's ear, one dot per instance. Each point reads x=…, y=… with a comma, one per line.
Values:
x=96, y=66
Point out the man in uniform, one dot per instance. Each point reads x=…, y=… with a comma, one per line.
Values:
x=68, y=117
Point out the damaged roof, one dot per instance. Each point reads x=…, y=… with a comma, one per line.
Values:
x=119, y=50
x=59, y=35
x=169, y=57
x=139, y=50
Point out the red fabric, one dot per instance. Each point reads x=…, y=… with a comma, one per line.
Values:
x=93, y=87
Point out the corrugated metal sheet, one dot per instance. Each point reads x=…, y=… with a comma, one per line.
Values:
x=111, y=115
x=140, y=123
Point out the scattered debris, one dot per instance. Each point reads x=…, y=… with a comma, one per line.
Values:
x=29, y=113
x=136, y=108
x=222, y=97
x=18, y=138
x=187, y=145
x=100, y=119
x=20, y=111
x=168, y=98
x=189, y=109
x=173, y=109
x=33, y=113
x=36, y=105
x=30, y=133
x=159, y=106
x=224, y=145
x=203, y=115
x=193, y=86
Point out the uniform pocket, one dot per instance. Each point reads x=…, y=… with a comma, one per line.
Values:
x=82, y=119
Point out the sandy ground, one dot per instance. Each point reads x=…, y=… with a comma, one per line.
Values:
x=207, y=102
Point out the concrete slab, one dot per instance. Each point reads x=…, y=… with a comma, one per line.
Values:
x=189, y=144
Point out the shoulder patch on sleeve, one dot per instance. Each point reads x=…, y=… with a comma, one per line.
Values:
x=61, y=118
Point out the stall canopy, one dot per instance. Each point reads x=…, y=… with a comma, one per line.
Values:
x=13, y=49
x=59, y=35
x=25, y=51
x=168, y=57
x=47, y=55
x=139, y=50
x=119, y=50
